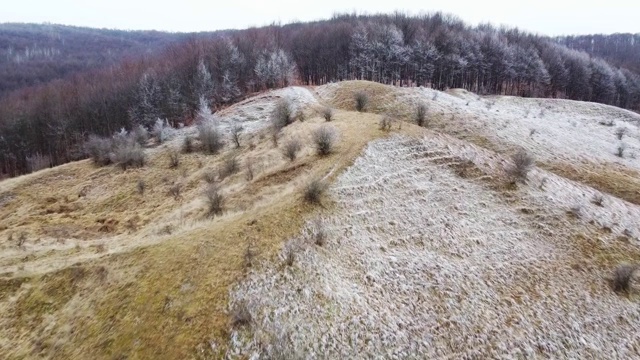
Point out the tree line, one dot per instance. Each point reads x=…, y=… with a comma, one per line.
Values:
x=47, y=125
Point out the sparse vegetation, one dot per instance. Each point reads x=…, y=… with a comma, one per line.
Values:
x=622, y=276
x=319, y=233
x=209, y=176
x=575, y=211
x=215, y=200
x=235, y=134
x=229, y=167
x=240, y=315
x=289, y=252
x=620, y=150
x=521, y=164
x=621, y=132
x=385, y=123
x=598, y=200
x=141, y=186
x=324, y=139
x=175, y=190
x=174, y=159
x=291, y=148
x=327, y=113
x=421, y=115
x=250, y=168
x=314, y=191
x=210, y=137
x=361, y=100
x=608, y=123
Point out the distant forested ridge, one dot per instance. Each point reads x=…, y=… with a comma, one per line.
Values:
x=47, y=124
x=620, y=50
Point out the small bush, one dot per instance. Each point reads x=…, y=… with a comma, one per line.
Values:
x=175, y=190
x=319, y=233
x=162, y=131
x=620, y=150
x=291, y=148
x=187, y=144
x=229, y=167
x=99, y=149
x=324, y=139
x=314, y=190
x=289, y=252
x=209, y=176
x=250, y=169
x=282, y=115
x=127, y=155
x=421, y=115
x=235, y=134
x=361, y=99
x=327, y=113
x=240, y=315
x=621, y=132
x=522, y=163
x=140, y=135
x=215, y=200
x=598, y=200
x=141, y=186
x=210, y=137
x=174, y=159
x=385, y=123
x=622, y=275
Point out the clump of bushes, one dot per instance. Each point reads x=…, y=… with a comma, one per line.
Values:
x=162, y=131
x=622, y=276
x=361, y=99
x=324, y=139
x=210, y=137
x=327, y=113
x=128, y=154
x=521, y=164
x=385, y=122
x=99, y=149
x=291, y=148
x=140, y=134
x=421, y=115
x=230, y=166
x=282, y=115
x=314, y=190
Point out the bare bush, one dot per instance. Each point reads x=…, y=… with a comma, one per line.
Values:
x=620, y=150
x=621, y=132
x=421, y=115
x=289, y=252
x=291, y=148
x=209, y=176
x=324, y=139
x=250, y=168
x=174, y=159
x=187, y=144
x=229, y=167
x=622, y=275
x=282, y=115
x=175, y=190
x=521, y=164
x=240, y=315
x=361, y=100
x=210, y=137
x=99, y=149
x=162, y=131
x=141, y=186
x=235, y=134
x=598, y=200
x=314, y=190
x=385, y=123
x=319, y=233
x=215, y=200
x=128, y=154
x=327, y=113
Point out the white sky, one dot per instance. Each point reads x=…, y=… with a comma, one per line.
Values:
x=549, y=17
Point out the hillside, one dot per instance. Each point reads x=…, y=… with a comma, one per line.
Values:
x=428, y=249
x=622, y=50
x=32, y=54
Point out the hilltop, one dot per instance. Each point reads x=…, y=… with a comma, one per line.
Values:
x=421, y=246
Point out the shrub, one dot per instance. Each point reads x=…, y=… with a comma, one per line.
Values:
x=282, y=115
x=598, y=200
x=327, y=113
x=240, y=315
x=215, y=200
x=314, y=190
x=128, y=154
x=319, y=233
x=174, y=159
x=385, y=123
x=230, y=166
x=141, y=186
x=99, y=150
x=162, y=131
x=621, y=132
x=209, y=176
x=187, y=144
x=291, y=148
x=140, y=135
x=421, y=115
x=250, y=169
x=622, y=275
x=522, y=163
x=175, y=190
x=210, y=137
x=362, y=99
x=324, y=139
x=620, y=150
x=235, y=134
x=289, y=252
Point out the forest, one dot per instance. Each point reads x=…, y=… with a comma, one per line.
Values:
x=47, y=124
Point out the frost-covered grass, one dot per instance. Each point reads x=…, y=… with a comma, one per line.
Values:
x=423, y=263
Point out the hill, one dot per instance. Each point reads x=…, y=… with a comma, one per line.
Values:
x=32, y=54
x=621, y=50
x=422, y=240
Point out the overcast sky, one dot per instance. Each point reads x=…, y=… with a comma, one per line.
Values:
x=549, y=17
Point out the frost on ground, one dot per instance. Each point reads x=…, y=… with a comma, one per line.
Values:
x=422, y=262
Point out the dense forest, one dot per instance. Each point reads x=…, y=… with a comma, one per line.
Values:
x=32, y=54
x=621, y=50
x=47, y=124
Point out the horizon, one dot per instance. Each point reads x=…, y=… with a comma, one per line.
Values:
x=547, y=18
